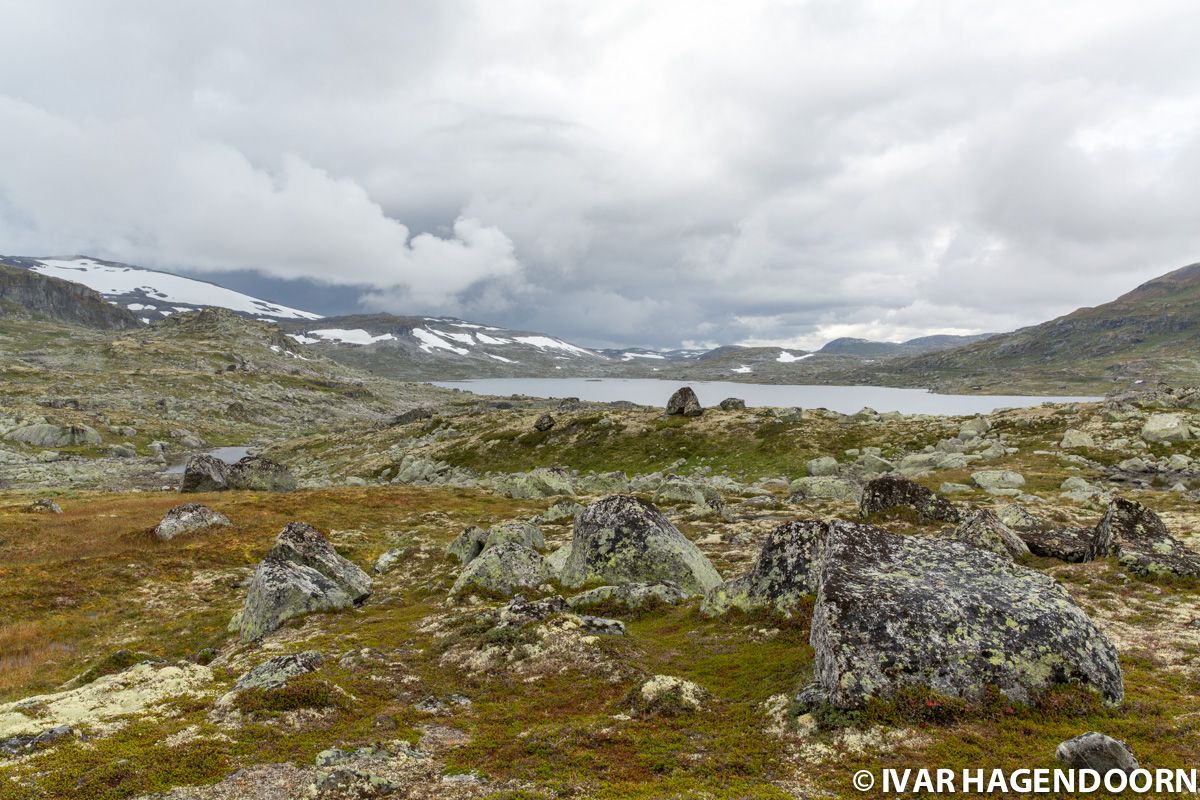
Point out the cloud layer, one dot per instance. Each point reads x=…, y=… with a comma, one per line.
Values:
x=620, y=173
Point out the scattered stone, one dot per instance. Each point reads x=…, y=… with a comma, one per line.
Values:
x=412, y=415
x=1018, y=518
x=733, y=404
x=1166, y=428
x=684, y=403
x=622, y=539
x=43, y=506
x=678, y=489
x=973, y=428
x=259, y=474
x=1066, y=544
x=996, y=481
x=563, y=509
x=187, y=518
x=901, y=611
x=890, y=491
x=467, y=546
x=205, y=473
x=823, y=466
x=1074, y=438
x=984, y=529
x=544, y=423
x=387, y=561
x=301, y=574
x=277, y=671
x=1096, y=751
x=345, y=783
x=601, y=626
x=630, y=595
x=503, y=570
x=953, y=488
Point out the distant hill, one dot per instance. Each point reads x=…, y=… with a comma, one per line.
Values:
x=1150, y=333
x=29, y=295
x=867, y=348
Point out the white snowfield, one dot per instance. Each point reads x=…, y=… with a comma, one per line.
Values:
x=787, y=358
x=632, y=356
x=352, y=336
x=170, y=289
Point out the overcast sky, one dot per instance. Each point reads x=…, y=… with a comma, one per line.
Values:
x=625, y=173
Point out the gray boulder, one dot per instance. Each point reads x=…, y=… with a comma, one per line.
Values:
x=1141, y=542
x=43, y=506
x=684, y=403
x=622, y=539
x=277, y=671
x=984, y=529
x=997, y=480
x=205, y=473
x=48, y=435
x=467, y=545
x=1166, y=428
x=733, y=404
x=1096, y=751
x=504, y=570
x=186, y=518
x=540, y=482
x=259, y=474
x=783, y=574
x=1066, y=544
x=1074, y=438
x=525, y=533
x=892, y=491
x=543, y=423
x=678, y=489
x=822, y=466
x=901, y=611
x=301, y=574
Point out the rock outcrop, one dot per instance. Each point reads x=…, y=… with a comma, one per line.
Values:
x=525, y=533
x=892, y=491
x=467, y=546
x=544, y=423
x=1166, y=428
x=622, y=539
x=260, y=474
x=186, y=518
x=732, y=404
x=684, y=403
x=48, y=435
x=1140, y=541
x=783, y=575
x=301, y=574
x=900, y=611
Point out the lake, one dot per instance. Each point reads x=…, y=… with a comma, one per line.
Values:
x=845, y=399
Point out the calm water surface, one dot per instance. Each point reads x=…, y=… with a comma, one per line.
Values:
x=845, y=399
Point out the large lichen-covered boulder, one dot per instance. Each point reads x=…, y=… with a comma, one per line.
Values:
x=678, y=489
x=825, y=488
x=274, y=673
x=205, y=473
x=892, y=491
x=998, y=481
x=782, y=576
x=49, y=435
x=1141, y=542
x=622, y=539
x=684, y=403
x=186, y=518
x=261, y=475
x=504, y=570
x=984, y=529
x=1074, y=545
x=630, y=595
x=540, y=482
x=899, y=611
x=301, y=574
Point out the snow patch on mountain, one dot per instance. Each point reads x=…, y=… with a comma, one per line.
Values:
x=787, y=358
x=117, y=281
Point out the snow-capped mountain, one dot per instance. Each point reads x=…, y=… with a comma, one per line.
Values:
x=150, y=294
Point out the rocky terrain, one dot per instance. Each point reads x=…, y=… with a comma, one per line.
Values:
x=409, y=592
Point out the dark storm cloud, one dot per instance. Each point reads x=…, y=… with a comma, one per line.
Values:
x=619, y=173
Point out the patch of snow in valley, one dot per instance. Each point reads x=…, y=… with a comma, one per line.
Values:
x=118, y=280
x=632, y=356
x=787, y=358
x=502, y=358
x=743, y=369
x=485, y=339
x=465, y=338
x=140, y=307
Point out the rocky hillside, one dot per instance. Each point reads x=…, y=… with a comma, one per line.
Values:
x=867, y=348
x=29, y=295
x=1146, y=335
